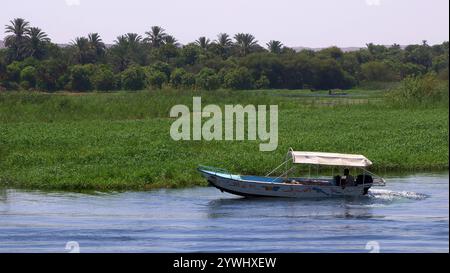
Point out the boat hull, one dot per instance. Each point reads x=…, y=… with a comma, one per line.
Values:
x=232, y=184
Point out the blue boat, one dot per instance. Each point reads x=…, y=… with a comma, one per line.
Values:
x=299, y=187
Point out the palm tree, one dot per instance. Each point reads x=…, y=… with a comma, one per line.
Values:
x=36, y=41
x=246, y=42
x=82, y=49
x=133, y=43
x=133, y=38
x=223, y=40
x=126, y=50
x=170, y=40
x=119, y=52
x=96, y=43
x=121, y=40
x=223, y=45
x=203, y=43
x=155, y=36
x=17, y=38
x=274, y=46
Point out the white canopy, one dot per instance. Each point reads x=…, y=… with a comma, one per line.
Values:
x=334, y=159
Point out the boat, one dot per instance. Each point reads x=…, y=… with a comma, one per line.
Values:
x=299, y=187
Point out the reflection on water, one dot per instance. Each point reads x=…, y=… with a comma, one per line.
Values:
x=282, y=207
x=410, y=214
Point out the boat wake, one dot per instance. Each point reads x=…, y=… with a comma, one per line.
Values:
x=388, y=195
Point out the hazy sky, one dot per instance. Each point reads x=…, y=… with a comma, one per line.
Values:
x=312, y=23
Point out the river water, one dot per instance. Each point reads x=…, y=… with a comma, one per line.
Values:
x=410, y=214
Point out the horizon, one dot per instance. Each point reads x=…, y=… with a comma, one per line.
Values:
x=390, y=22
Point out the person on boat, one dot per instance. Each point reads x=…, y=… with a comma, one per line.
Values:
x=348, y=178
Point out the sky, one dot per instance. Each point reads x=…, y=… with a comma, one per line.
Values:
x=309, y=23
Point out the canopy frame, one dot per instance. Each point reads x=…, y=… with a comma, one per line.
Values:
x=326, y=159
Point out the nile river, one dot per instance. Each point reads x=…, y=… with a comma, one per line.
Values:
x=410, y=214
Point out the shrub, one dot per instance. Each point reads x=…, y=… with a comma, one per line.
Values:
x=133, y=78
x=327, y=74
x=156, y=78
x=410, y=69
x=262, y=83
x=48, y=74
x=9, y=85
x=13, y=71
x=265, y=64
x=207, y=79
x=188, y=80
x=104, y=79
x=190, y=54
x=238, y=79
x=176, y=78
x=80, y=77
x=29, y=74
x=25, y=85
x=443, y=74
x=422, y=89
x=63, y=82
x=162, y=67
x=377, y=71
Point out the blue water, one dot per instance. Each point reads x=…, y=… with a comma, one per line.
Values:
x=410, y=214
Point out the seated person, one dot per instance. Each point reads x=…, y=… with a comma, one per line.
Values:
x=348, y=178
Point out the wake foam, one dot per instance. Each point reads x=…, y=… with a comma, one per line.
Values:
x=389, y=195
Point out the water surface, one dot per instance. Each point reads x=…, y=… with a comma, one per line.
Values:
x=410, y=214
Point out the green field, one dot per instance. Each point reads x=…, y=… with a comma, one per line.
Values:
x=121, y=140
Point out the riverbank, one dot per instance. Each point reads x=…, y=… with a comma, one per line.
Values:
x=121, y=140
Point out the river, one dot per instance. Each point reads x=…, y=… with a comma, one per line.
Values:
x=410, y=214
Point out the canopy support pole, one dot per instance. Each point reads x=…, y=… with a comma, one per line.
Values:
x=272, y=171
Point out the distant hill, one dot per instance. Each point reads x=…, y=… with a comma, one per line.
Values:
x=345, y=49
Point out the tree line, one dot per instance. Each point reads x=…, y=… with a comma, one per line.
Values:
x=30, y=61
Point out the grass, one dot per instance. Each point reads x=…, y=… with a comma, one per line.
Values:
x=121, y=140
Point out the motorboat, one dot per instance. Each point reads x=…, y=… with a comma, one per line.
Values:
x=284, y=185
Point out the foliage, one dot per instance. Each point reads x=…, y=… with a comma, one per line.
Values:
x=262, y=83
x=276, y=66
x=104, y=79
x=238, y=79
x=207, y=79
x=29, y=75
x=80, y=77
x=156, y=78
x=377, y=71
x=133, y=78
x=176, y=78
x=120, y=140
x=49, y=73
x=13, y=71
x=419, y=90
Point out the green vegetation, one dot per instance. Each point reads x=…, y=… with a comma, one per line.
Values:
x=156, y=60
x=421, y=90
x=121, y=140
x=395, y=108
